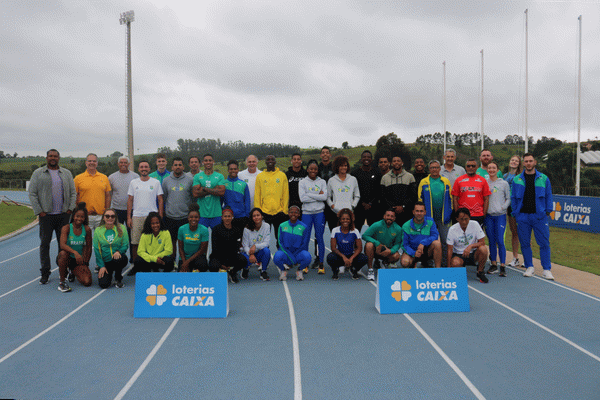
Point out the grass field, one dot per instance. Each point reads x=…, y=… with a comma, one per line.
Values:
x=14, y=217
x=570, y=248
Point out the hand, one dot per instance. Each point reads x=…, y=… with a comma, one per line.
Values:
x=42, y=214
x=347, y=261
x=185, y=266
x=419, y=251
x=116, y=255
x=252, y=250
x=366, y=206
x=321, y=192
x=129, y=222
x=398, y=209
x=160, y=261
x=78, y=258
x=71, y=211
x=252, y=259
x=102, y=272
x=467, y=251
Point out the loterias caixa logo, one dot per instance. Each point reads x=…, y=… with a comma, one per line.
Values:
x=181, y=296
x=426, y=291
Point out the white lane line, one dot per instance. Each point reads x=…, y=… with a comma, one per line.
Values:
x=142, y=367
x=296, y=347
x=25, y=284
x=558, y=284
x=22, y=254
x=564, y=339
x=63, y=319
x=441, y=352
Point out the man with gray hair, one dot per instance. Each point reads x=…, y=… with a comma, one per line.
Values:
x=119, y=183
x=94, y=189
x=249, y=174
x=450, y=170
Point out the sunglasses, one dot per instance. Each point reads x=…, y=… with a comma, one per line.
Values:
x=110, y=216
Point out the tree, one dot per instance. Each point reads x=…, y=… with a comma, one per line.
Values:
x=15, y=155
x=345, y=145
x=391, y=146
x=116, y=154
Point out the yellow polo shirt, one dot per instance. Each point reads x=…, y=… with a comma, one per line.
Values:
x=92, y=189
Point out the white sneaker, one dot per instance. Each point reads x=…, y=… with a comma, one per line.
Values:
x=528, y=272
x=547, y=275
x=299, y=276
x=371, y=274
x=514, y=262
x=283, y=275
x=286, y=266
x=342, y=270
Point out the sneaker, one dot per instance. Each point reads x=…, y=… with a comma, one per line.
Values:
x=64, y=287
x=376, y=264
x=502, y=271
x=264, y=276
x=342, y=270
x=300, y=277
x=482, y=277
x=321, y=270
x=283, y=275
x=528, y=272
x=44, y=279
x=131, y=272
x=305, y=270
x=371, y=274
x=245, y=274
x=547, y=275
x=196, y=270
x=335, y=276
x=233, y=277
x=286, y=267
x=354, y=274
x=492, y=270
x=71, y=276
x=119, y=284
x=514, y=263
x=315, y=263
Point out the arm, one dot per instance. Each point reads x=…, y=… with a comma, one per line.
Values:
x=72, y=191
x=283, y=248
x=548, y=196
x=357, y=249
x=257, y=193
x=124, y=243
x=64, y=234
x=266, y=240
x=369, y=236
x=218, y=190
x=246, y=241
x=455, y=203
x=143, y=247
x=98, y=249
x=247, y=205
x=506, y=198
x=87, y=249
x=197, y=191
x=474, y=246
x=486, y=204
x=433, y=235
x=449, y=255
x=397, y=241
x=160, y=205
x=34, y=198
x=356, y=197
x=405, y=244
x=285, y=201
x=168, y=245
x=420, y=190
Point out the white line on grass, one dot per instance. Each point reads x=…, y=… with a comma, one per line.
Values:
x=595, y=357
x=441, y=352
x=22, y=254
x=63, y=319
x=142, y=367
x=23, y=285
x=558, y=284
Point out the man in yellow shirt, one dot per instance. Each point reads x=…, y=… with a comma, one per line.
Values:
x=93, y=188
x=271, y=194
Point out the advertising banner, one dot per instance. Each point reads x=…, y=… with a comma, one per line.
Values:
x=422, y=290
x=185, y=295
x=576, y=212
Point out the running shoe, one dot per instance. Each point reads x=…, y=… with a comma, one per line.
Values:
x=335, y=276
x=492, y=270
x=286, y=267
x=64, y=287
x=482, y=277
x=354, y=274
x=299, y=276
x=371, y=274
x=119, y=284
x=233, y=277
x=315, y=263
x=264, y=276
x=376, y=264
x=514, y=262
x=71, y=276
x=528, y=272
x=502, y=271
x=245, y=273
x=321, y=270
x=283, y=275
x=44, y=279
x=305, y=270
x=342, y=270
x=547, y=275
x=385, y=264
x=196, y=270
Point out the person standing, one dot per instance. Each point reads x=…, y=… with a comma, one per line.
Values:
x=399, y=191
x=272, y=194
x=293, y=246
x=472, y=192
x=209, y=187
x=384, y=165
x=420, y=172
x=295, y=174
x=420, y=240
x=119, y=183
x=93, y=188
x=145, y=195
x=313, y=193
x=177, y=195
x=237, y=196
x=53, y=197
x=434, y=192
x=369, y=186
x=515, y=167
x=485, y=158
x=342, y=188
x=161, y=168
x=249, y=174
x=531, y=201
x=194, y=164
x=450, y=170
x=495, y=219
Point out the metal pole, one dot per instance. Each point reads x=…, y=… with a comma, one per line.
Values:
x=126, y=19
x=482, y=134
x=526, y=81
x=578, y=172
x=444, y=108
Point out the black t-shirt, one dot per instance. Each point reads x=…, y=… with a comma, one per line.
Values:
x=226, y=243
x=369, y=184
x=528, y=206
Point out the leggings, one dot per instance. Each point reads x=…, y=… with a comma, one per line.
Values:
x=111, y=266
x=495, y=226
x=141, y=265
x=318, y=221
x=263, y=256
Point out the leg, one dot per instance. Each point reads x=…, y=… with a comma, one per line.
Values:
x=106, y=279
x=524, y=229
x=490, y=230
x=359, y=261
x=281, y=258
x=334, y=261
x=63, y=264
x=541, y=231
x=393, y=258
x=443, y=230
x=481, y=255
x=83, y=275
x=169, y=263
x=512, y=222
x=319, y=223
x=407, y=261
x=214, y=265
x=46, y=229
x=263, y=257
x=303, y=260
x=500, y=233
x=360, y=214
x=435, y=252
x=370, y=253
x=456, y=262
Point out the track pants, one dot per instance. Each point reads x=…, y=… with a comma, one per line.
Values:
x=525, y=224
x=303, y=259
x=262, y=256
x=495, y=226
x=318, y=221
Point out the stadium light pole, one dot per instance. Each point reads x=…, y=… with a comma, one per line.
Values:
x=126, y=19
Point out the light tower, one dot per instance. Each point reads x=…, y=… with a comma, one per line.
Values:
x=126, y=19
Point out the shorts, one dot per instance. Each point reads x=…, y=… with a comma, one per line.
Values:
x=466, y=260
x=137, y=226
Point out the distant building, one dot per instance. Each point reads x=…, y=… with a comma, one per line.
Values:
x=590, y=158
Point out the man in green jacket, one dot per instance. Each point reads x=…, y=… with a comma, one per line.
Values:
x=383, y=241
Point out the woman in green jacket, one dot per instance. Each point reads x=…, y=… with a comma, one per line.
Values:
x=110, y=246
x=155, y=250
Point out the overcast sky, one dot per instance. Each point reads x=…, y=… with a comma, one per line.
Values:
x=310, y=73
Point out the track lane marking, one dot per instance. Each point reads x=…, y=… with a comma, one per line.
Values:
x=23, y=285
x=22, y=254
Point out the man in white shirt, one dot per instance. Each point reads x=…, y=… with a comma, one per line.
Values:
x=249, y=174
x=466, y=244
x=119, y=183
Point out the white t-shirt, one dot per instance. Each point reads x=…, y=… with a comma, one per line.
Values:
x=461, y=239
x=250, y=179
x=144, y=196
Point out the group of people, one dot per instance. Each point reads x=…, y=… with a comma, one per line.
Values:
x=159, y=215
